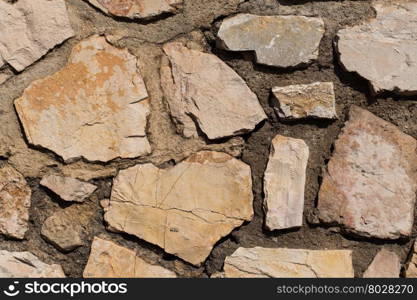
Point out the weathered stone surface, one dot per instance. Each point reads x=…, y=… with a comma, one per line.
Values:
x=109, y=260
x=185, y=209
x=67, y=188
x=137, y=9
x=284, y=183
x=386, y=264
x=14, y=202
x=384, y=50
x=26, y=265
x=411, y=271
x=315, y=100
x=29, y=29
x=293, y=263
x=370, y=183
x=203, y=92
x=92, y=108
x=281, y=41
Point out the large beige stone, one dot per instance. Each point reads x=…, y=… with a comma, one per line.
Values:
x=411, y=271
x=14, y=203
x=93, y=108
x=109, y=260
x=370, y=182
x=281, y=41
x=29, y=29
x=288, y=263
x=137, y=9
x=284, y=183
x=67, y=188
x=300, y=101
x=384, y=49
x=204, y=93
x=26, y=265
x=185, y=209
x=386, y=264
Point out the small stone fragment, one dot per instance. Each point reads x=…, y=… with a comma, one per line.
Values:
x=288, y=263
x=284, y=183
x=109, y=260
x=370, y=183
x=315, y=100
x=384, y=49
x=29, y=29
x=93, y=108
x=14, y=202
x=67, y=188
x=184, y=209
x=386, y=264
x=26, y=265
x=281, y=41
x=204, y=93
x=411, y=271
x=137, y=9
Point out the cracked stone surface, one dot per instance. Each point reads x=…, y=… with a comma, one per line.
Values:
x=14, y=202
x=284, y=183
x=26, y=265
x=281, y=41
x=109, y=260
x=137, y=9
x=205, y=94
x=284, y=263
x=383, y=50
x=99, y=98
x=411, y=271
x=67, y=188
x=184, y=209
x=386, y=264
x=370, y=182
x=300, y=101
x=40, y=26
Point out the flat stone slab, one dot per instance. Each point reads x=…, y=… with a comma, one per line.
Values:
x=370, y=182
x=288, y=263
x=67, y=188
x=301, y=101
x=386, y=264
x=284, y=183
x=29, y=29
x=15, y=202
x=185, y=209
x=280, y=41
x=137, y=9
x=205, y=94
x=93, y=108
x=109, y=260
x=26, y=265
x=384, y=49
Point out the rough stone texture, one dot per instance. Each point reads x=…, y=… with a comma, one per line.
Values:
x=185, y=209
x=386, y=264
x=137, y=9
x=370, y=183
x=14, y=203
x=282, y=262
x=205, y=94
x=281, y=41
x=68, y=189
x=94, y=100
x=383, y=50
x=26, y=265
x=109, y=260
x=284, y=183
x=315, y=100
x=39, y=25
x=411, y=271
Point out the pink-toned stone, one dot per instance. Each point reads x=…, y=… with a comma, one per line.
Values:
x=386, y=264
